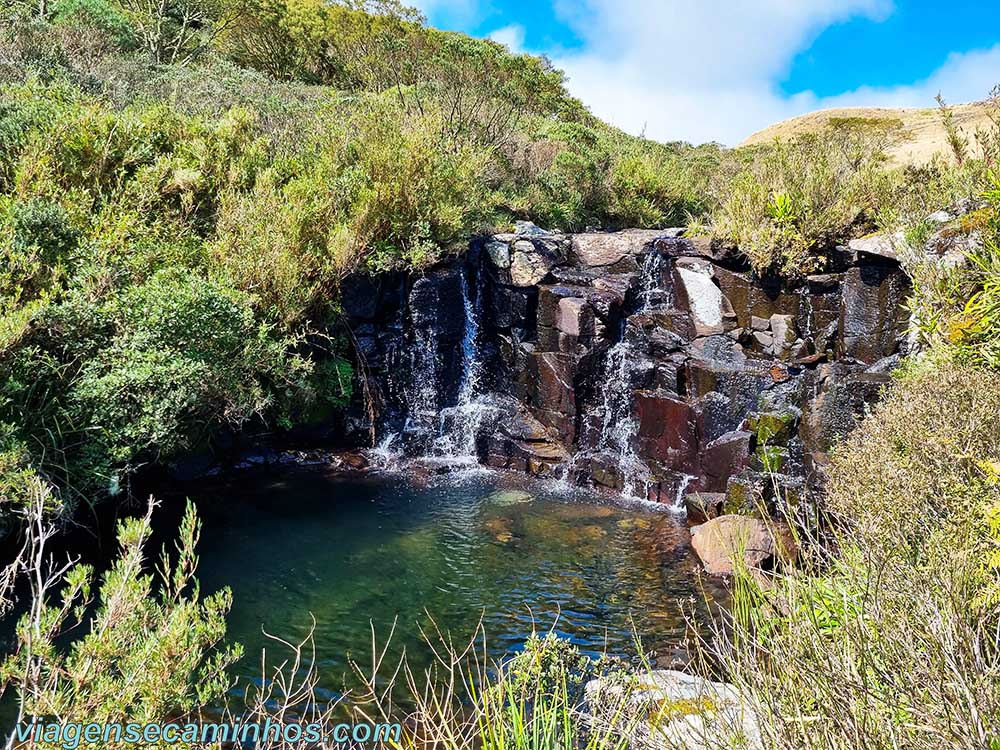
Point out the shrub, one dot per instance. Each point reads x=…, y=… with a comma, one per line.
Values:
x=187, y=357
x=38, y=250
x=148, y=650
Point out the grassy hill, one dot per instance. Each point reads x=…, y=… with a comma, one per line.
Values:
x=923, y=132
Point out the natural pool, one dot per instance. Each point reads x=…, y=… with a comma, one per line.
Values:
x=353, y=552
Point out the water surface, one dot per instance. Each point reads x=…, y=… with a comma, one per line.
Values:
x=367, y=551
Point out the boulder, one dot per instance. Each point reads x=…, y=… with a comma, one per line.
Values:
x=604, y=249
x=531, y=262
x=678, y=711
x=722, y=541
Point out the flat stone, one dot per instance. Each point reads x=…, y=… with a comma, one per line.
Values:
x=759, y=324
x=885, y=245
x=607, y=248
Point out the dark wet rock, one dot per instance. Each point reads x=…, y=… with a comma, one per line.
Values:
x=742, y=385
x=762, y=493
x=551, y=392
x=838, y=406
x=672, y=327
x=872, y=318
x=655, y=334
x=750, y=296
x=703, y=506
x=719, y=349
x=679, y=247
x=727, y=454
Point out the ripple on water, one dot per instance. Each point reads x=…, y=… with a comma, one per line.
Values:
x=357, y=553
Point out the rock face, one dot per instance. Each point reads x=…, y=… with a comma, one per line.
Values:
x=641, y=361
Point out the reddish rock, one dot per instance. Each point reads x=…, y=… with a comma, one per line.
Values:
x=668, y=431
x=723, y=457
x=575, y=317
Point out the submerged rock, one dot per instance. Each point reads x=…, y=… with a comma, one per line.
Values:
x=510, y=497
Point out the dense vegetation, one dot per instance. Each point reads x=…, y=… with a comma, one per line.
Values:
x=184, y=184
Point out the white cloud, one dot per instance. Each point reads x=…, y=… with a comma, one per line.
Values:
x=702, y=70
x=696, y=71
x=511, y=37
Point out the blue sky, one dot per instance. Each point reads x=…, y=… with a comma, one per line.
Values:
x=720, y=69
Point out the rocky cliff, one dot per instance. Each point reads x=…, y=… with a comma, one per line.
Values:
x=643, y=362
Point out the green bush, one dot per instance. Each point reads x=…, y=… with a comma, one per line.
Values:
x=187, y=357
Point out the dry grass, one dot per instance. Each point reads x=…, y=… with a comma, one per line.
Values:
x=926, y=136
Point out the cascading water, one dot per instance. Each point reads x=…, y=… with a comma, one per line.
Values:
x=459, y=425
x=682, y=492
x=432, y=432
x=618, y=427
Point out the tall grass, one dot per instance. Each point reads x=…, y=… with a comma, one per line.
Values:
x=887, y=634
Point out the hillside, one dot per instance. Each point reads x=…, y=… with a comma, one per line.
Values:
x=924, y=133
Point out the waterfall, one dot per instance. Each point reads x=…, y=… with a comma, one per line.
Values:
x=421, y=392
x=619, y=429
x=682, y=492
x=649, y=283
x=434, y=432
x=459, y=425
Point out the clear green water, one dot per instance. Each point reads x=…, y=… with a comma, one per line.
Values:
x=353, y=552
